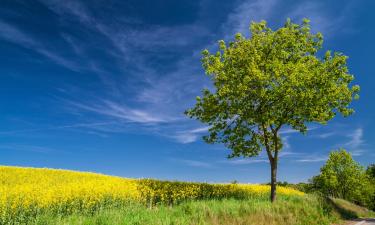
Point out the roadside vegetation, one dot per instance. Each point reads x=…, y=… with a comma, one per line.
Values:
x=291, y=210
x=341, y=177
x=258, y=211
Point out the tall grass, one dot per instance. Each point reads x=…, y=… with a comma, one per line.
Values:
x=292, y=210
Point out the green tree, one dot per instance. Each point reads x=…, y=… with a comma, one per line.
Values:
x=371, y=171
x=271, y=80
x=341, y=176
x=370, y=200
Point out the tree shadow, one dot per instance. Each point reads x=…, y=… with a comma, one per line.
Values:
x=344, y=213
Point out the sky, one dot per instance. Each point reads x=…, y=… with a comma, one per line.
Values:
x=101, y=86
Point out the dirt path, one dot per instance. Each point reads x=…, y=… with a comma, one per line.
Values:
x=362, y=222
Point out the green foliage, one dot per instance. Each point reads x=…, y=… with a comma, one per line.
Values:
x=307, y=210
x=156, y=192
x=370, y=171
x=271, y=80
x=349, y=210
x=304, y=187
x=370, y=199
x=342, y=177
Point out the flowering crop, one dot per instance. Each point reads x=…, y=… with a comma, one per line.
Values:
x=28, y=192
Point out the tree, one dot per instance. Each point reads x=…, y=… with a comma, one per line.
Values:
x=271, y=80
x=371, y=171
x=370, y=200
x=341, y=177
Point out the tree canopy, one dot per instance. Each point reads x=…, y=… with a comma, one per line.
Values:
x=371, y=171
x=273, y=79
x=342, y=177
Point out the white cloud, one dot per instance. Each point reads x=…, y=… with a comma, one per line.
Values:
x=245, y=161
x=199, y=130
x=323, y=20
x=163, y=96
x=325, y=135
x=356, y=139
x=288, y=154
x=12, y=34
x=194, y=163
x=28, y=148
x=122, y=112
x=185, y=138
x=239, y=20
x=289, y=130
x=68, y=7
x=189, y=136
x=286, y=144
x=356, y=142
x=313, y=159
x=58, y=127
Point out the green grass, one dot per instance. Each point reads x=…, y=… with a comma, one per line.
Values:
x=349, y=210
x=287, y=210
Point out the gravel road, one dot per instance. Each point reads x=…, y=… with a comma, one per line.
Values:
x=366, y=222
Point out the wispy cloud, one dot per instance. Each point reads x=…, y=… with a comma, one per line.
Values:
x=356, y=139
x=356, y=142
x=194, y=163
x=58, y=127
x=12, y=34
x=28, y=148
x=158, y=95
x=289, y=130
x=122, y=112
x=287, y=153
x=322, y=20
x=189, y=136
x=239, y=20
x=245, y=161
x=140, y=120
x=313, y=159
x=325, y=135
x=69, y=8
x=127, y=40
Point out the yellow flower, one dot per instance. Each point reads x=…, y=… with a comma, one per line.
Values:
x=28, y=191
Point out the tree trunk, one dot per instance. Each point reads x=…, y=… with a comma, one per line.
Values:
x=273, y=179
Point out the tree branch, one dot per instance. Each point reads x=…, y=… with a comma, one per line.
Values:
x=266, y=143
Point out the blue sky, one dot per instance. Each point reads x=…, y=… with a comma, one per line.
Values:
x=102, y=86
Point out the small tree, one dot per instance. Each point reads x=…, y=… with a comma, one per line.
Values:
x=371, y=171
x=271, y=80
x=341, y=177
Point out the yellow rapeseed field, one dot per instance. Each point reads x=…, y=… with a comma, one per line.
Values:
x=27, y=192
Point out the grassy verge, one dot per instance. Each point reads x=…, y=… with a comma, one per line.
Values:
x=298, y=210
x=348, y=210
